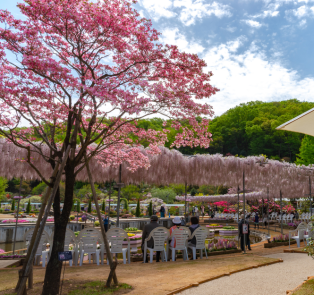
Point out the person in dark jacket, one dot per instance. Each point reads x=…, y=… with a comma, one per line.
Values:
x=106, y=223
x=147, y=230
x=194, y=225
x=162, y=211
x=256, y=221
x=244, y=236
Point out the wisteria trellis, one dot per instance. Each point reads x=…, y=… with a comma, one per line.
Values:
x=170, y=166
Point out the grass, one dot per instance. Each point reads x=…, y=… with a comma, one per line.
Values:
x=97, y=288
x=306, y=289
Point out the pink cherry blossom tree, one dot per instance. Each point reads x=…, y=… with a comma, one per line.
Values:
x=81, y=73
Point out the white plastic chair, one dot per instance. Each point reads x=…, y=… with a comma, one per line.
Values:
x=181, y=235
x=87, y=240
x=201, y=234
x=160, y=236
x=41, y=250
x=116, y=237
x=302, y=227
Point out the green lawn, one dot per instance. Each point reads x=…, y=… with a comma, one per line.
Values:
x=306, y=289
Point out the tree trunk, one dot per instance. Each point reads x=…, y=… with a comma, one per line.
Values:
x=54, y=267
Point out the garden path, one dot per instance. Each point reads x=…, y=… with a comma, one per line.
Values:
x=274, y=279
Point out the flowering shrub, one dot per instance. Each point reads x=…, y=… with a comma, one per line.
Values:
x=289, y=209
x=280, y=238
x=12, y=256
x=221, y=245
x=133, y=237
x=83, y=218
x=1, y=251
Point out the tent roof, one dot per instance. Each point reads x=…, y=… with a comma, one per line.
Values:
x=302, y=123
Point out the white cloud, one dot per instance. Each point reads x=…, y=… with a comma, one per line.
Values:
x=189, y=10
x=271, y=11
x=199, y=9
x=300, y=12
x=252, y=23
x=250, y=76
x=173, y=37
x=302, y=23
x=158, y=9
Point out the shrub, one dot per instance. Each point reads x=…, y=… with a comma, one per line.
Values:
x=89, y=209
x=78, y=206
x=28, y=207
x=13, y=205
x=96, y=223
x=72, y=217
x=138, y=209
x=103, y=207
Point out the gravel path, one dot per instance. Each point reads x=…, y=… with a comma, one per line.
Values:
x=274, y=279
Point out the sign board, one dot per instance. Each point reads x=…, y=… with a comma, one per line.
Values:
x=65, y=256
x=245, y=228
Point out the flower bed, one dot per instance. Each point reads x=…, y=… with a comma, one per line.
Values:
x=23, y=220
x=222, y=245
x=281, y=240
x=133, y=238
x=132, y=230
x=214, y=225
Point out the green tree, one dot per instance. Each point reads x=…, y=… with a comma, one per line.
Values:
x=3, y=185
x=138, y=209
x=306, y=154
x=89, y=208
x=150, y=208
x=13, y=205
x=86, y=191
x=166, y=194
x=103, y=207
x=126, y=204
x=206, y=190
x=39, y=189
x=193, y=192
x=179, y=189
x=78, y=206
x=130, y=192
x=28, y=207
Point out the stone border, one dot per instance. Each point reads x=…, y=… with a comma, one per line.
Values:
x=176, y=291
x=290, y=292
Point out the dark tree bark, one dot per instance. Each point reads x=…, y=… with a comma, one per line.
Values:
x=54, y=267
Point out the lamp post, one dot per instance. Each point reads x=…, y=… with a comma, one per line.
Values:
x=19, y=197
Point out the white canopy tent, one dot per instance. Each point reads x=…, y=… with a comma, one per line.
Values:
x=302, y=123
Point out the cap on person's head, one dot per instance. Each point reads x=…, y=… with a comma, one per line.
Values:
x=242, y=216
x=176, y=220
x=154, y=218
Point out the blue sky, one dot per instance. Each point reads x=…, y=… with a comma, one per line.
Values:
x=257, y=49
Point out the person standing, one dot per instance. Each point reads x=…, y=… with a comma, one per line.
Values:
x=146, y=231
x=106, y=222
x=203, y=210
x=244, y=237
x=196, y=210
x=162, y=211
x=256, y=221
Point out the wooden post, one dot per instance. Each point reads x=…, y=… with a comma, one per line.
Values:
x=40, y=215
x=113, y=265
x=31, y=278
x=42, y=224
x=119, y=194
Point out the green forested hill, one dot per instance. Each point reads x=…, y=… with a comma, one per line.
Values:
x=249, y=129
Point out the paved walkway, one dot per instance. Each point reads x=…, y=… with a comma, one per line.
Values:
x=274, y=279
x=6, y=263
